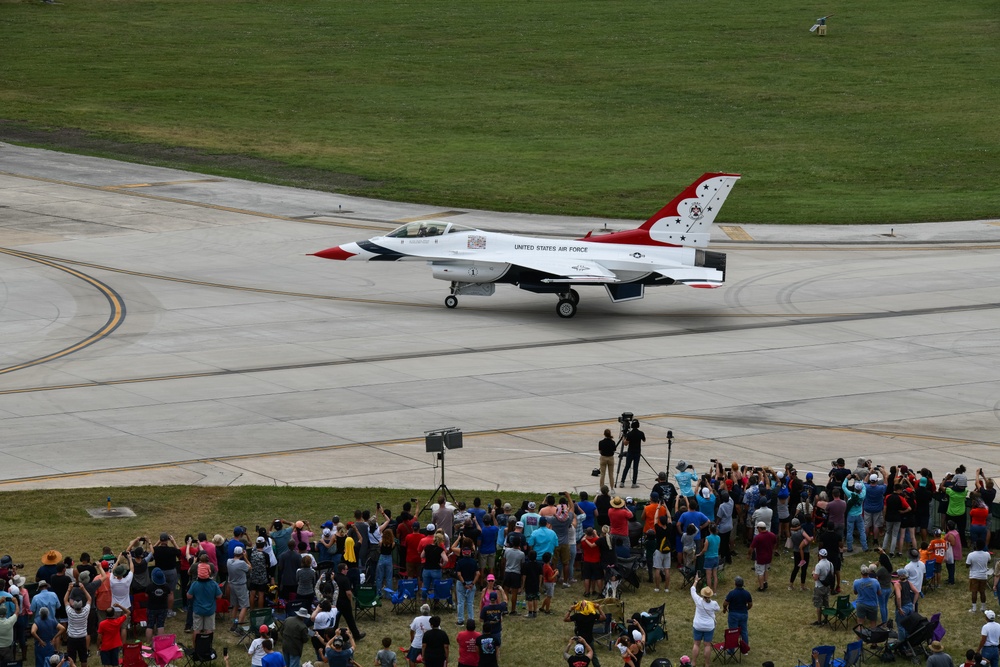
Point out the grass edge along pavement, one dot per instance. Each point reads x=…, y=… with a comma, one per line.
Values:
x=576, y=108
x=36, y=521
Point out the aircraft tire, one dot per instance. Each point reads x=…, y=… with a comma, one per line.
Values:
x=451, y=301
x=573, y=296
x=565, y=308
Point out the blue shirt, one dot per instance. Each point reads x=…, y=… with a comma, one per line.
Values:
x=479, y=513
x=707, y=505
x=697, y=518
x=273, y=659
x=543, y=541
x=203, y=595
x=489, y=540
x=713, y=546
x=590, y=510
x=874, y=499
x=867, y=590
x=684, y=480
x=739, y=600
x=281, y=538
x=45, y=598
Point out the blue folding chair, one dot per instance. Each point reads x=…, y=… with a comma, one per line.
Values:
x=823, y=658
x=852, y=656
x=442, y=592
x=930, y=569
x=404, y=598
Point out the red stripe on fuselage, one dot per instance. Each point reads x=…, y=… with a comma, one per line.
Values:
x=629, y=237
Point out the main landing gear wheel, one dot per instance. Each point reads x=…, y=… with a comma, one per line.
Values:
x=573, y=296
x=565, y=308
x=451, y=301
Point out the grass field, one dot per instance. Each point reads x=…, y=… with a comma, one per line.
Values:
x=582, y=107
x=35, y=521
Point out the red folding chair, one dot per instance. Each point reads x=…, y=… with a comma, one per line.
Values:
x=728, y=650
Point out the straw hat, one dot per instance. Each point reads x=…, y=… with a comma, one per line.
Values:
x=617, y=502
x=707, y=592
x=51, y=557
x=936, y=647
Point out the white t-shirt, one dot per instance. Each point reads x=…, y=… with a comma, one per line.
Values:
x=915, y=571
x=979, y=564
x=76, y=626
x=120, y=589
x=992, y=633
x=256, y=651
x=420, y=625
x=325, y=620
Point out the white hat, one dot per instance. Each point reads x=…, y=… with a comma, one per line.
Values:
x=302, y=613
x=706, y=492
x=761, y=524
x=579, y=649
x=327, y=532
x=531, y=506
x=628, y=500
x=430, y=528
x=873, y=477
x=519, y=524
x=822, y=552
x=238, y=551
x=780, y=474
x=636, y=635
x=990, y=615
x=858, y=486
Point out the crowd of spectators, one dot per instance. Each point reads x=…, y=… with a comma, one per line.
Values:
x=503, y=554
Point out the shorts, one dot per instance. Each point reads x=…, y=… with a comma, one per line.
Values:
x=821, y=597
x=413, y=654
x=874, y=520
x=531, y=597
x=486, y=561
x=76, y=649
x=110, y=657
x=549, y=587
x=592, y=571
x=259, y=588
x=977, y=586
x=703, y=635
x=203, y=623
x=712, y=563
x=661, y=561
x=238, y=596
x=156, y=618
x=760, y=569
x=866, y=613
x=512, y=580
x=561, y=554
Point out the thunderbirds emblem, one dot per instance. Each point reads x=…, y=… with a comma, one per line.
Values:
x=695, y=211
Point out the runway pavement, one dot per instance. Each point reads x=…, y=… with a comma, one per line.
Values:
x=161, y=326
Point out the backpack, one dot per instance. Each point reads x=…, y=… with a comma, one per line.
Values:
x=829, y=580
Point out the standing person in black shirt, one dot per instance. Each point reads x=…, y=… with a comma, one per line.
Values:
x=435, y=645
x=345, y=602
x=635, y=438
x=531, y=579
x=166, y=556
x=602, y=503
x=606, y=448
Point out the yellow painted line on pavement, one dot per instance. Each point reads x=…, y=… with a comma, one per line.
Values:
x=736, y=233
x=116, y=317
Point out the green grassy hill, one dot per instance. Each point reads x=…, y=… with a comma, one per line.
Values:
x=582, y=107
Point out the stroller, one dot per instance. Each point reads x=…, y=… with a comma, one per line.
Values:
x=875, y=641
x=919, y=633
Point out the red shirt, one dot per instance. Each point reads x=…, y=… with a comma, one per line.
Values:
x=618, y=518
x=763, y=545
x=468, y=654
x=413, y=541
x=979, y=516
x=591, y=552
x=111, y=632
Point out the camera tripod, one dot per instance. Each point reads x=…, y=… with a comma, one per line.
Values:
x=441, y=491
x=626, y=423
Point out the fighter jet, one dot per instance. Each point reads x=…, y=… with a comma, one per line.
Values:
x=668, y=249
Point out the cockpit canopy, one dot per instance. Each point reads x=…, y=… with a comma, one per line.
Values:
x=422, y=228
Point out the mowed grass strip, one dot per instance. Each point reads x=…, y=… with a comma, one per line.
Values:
x=35, y=521
x=582, y=107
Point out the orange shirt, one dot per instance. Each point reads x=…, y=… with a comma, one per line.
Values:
x=648, y=512
x=110, y=631
x=938, y=547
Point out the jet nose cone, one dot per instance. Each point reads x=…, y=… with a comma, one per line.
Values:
x=334, y=253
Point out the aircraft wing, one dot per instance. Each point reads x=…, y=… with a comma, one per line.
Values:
x=694, y=276
x=569, y=269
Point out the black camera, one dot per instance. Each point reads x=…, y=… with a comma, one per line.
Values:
x=626, y=419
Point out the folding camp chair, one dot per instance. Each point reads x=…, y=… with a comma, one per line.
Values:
x=138, y=617
x=442, y=593
x=132, y=655
x=221, y=608
x=653, y=623
x=201, y=653
x=257, y=618
x=404, y=598
x=728, y=650
x=841, y=613
x=367, y=601
x=823, y=657
x=930, y=570
x=853, y=655
x=166, y=650
x=876, y=640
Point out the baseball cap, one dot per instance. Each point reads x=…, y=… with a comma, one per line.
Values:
x=937, y=531
x=822, y=552
x=578, y=649
x=261, y=540
x=506, y=507
x=858, y=486
x=628, y=500
x=809, y=475
x=761, y=524
x=263, y=630
x=531, y=506
x=685, y=660
x=238, y=551
x=873, y=477
x=164, y=537
x=990, y=614
x=519, y=524
x=490, y=577
x=430, y=528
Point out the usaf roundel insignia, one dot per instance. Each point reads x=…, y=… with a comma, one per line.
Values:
x=695, y=211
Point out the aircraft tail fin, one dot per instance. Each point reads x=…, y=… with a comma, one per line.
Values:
x=688, y=218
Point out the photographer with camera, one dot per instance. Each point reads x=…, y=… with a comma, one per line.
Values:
x=634, y=438
x=578, y=652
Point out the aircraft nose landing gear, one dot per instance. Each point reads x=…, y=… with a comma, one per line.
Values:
x=451, y=301
x=566, y=307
